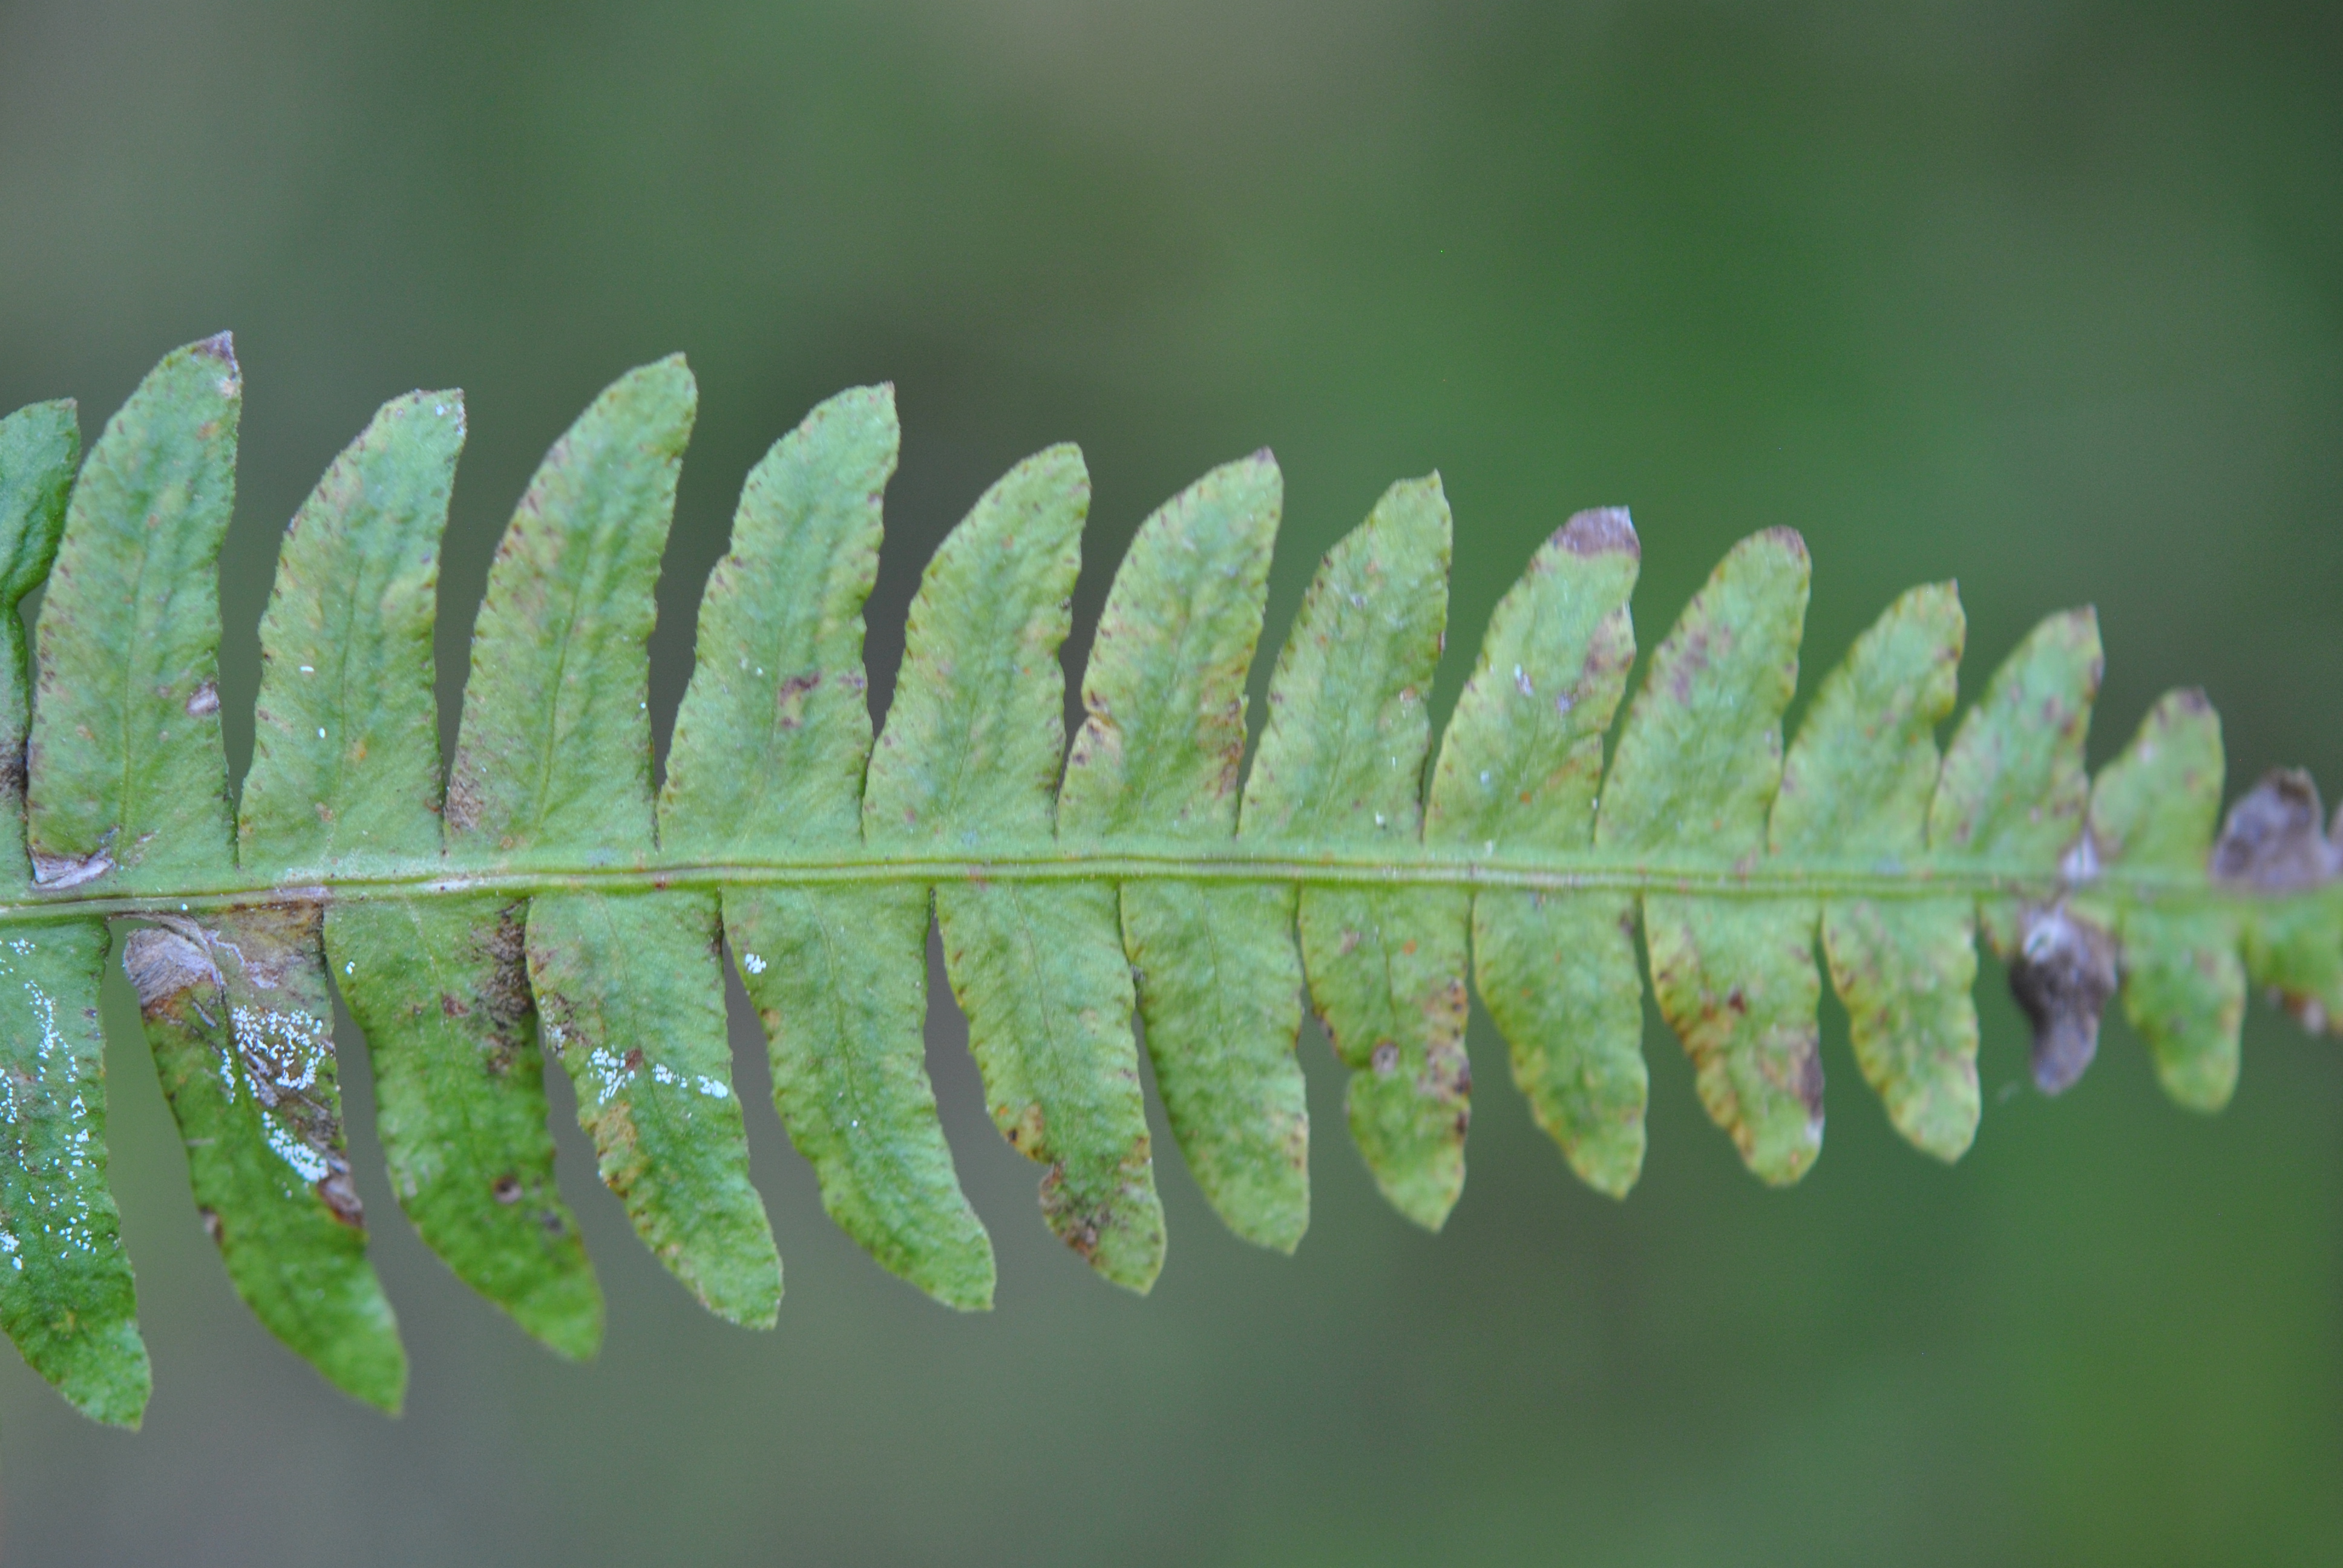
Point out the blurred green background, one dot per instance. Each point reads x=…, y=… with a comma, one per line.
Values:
x=2047, y=297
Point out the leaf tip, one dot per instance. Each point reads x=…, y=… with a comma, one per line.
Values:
x=445, y=404
x=1603, y=530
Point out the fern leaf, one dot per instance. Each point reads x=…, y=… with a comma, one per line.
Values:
x=555, y=754
x=770, y=745
x=2013, y=794
x=128, y=775
x=971, y=749
x=237, y=1016
x=346, y=777
x=65, y=1293
x=1162, y=742
x=1855, y=789
x=1520, y=769
x=128, y=791
x=1130, y=879
x=1342, y=763
x=2184, y=983
x=1698, y=765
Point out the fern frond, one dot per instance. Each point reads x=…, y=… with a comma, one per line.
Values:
x=1144, y=876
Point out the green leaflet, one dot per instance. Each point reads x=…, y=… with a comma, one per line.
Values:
x=970, y=751
x=346, y=736
x=555, y=755
x=242, y=1031
x=346, y=773
x=38, y=446
x=1342, y=763
x=1159, y=753
x=1218, y=978
x=1695, y=775
x=775, y=728
x=2014, y=793
x=1519, y=767
x=65, y=1294
x=769, y=754
x=555, y=747
x=2184, y=985
x=624, y=989
x=1856, y=791
x=1219, y=990
x=441, y=988
x=839, y=977
x=128, y=775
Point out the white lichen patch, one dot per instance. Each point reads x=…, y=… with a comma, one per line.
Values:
x=752, y=963
x=56, y=1175
x=282, y=1051
x=714, y=1088
x=610, y=1072
x=307, y=1163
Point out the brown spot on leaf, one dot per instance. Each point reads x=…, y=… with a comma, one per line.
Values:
x=788, y=701
x=211, y=1223
x=1385, y=1059
x=1806, y=1078
x=341, y=1194
x=506, y=1188
x=204, y=699
x=2271, y=839
x=467, y=792
x=165, y=963
x=1079, y=1228
x=506, y=992
x=1025, y=1132
x=2063, y=974
x=55, y=873
x=1603, y=530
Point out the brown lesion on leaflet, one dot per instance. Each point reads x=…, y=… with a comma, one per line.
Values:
x=790, y=699
x=2271, y=843
x=222, y=984
x=2063, y=975
x=1079, y=1228
x=503, y=991
x=1603, y=530
x=1446, y=1077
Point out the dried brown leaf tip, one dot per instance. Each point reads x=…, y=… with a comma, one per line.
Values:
x=2063, y=976
x=1605, y=529
x=2271, y=839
